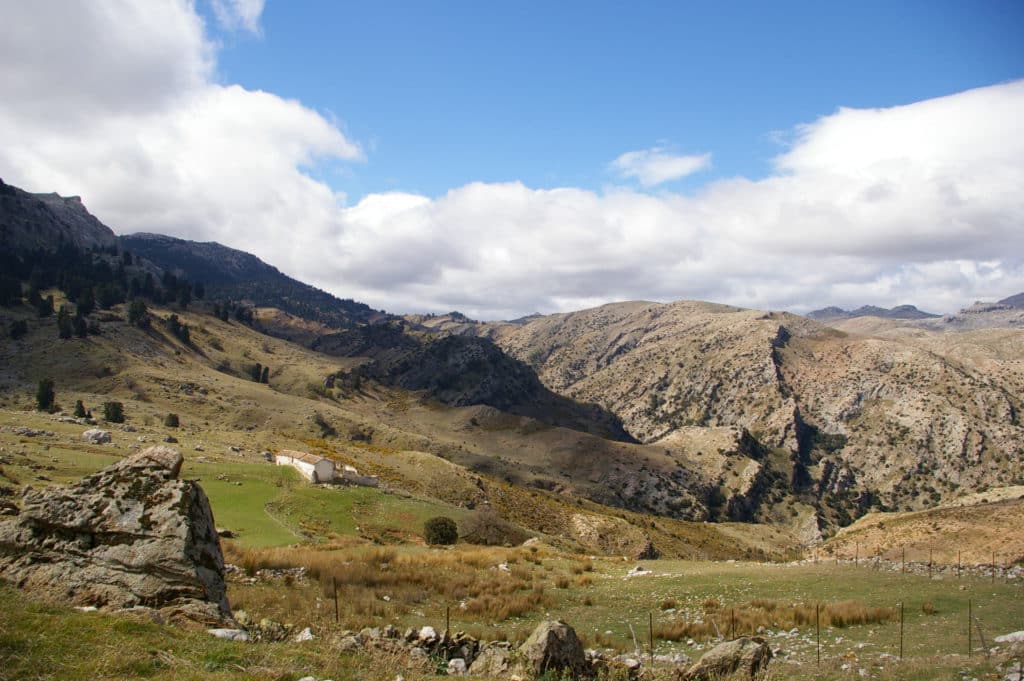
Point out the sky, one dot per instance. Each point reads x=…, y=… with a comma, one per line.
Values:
x=508, y=158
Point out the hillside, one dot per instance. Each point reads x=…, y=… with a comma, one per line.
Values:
x=230, y=274
x=44, y=221
x=851, y=421
x=451, y=457
x=898, y=312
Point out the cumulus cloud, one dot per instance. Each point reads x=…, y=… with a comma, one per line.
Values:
x=239, y=14
x=117, y=102
x=656, y=166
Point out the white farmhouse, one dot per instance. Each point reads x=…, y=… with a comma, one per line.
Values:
x=312, y=467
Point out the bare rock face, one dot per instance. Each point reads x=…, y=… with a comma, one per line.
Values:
x=553, y=646
x=742, y=658
x=132, y=534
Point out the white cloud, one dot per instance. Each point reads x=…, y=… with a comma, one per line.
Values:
x=239, y=14
x=913, y=204
x=656, y=166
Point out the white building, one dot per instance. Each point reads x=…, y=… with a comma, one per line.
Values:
x=312, y=467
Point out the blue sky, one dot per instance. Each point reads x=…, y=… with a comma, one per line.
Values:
x=505, y=159
x=446, y=93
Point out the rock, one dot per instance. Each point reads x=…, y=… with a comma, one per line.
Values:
x=225, y=534
x=171, y=439
x=308, y=678
x=637, y=571
x=131, y=534
x=648, y=552
x=304, y=635
x=269, y=630
x=267, y=456
x=492, y=661
x=8, y=508
x=349, y=644
x=554, y=646
x=742, y=658
x=96, y=436
x=231, y=634
x=456, y=667
x=128, y=428
x=1015, y=637
x=427, y=635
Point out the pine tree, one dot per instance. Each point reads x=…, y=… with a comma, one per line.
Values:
x=265, y=378
x=64, y=326
x=45, y=395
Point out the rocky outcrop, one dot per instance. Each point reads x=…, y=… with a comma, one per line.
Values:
x=132, y=534
x=742, y=658
x=96, y=436
x=554, y=647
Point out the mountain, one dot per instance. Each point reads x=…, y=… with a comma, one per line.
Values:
x=898, y=312
x=1013, y=301
x=45, y=221
x=848, y=422
x=230, y=274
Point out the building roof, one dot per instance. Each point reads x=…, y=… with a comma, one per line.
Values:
x=305, y=457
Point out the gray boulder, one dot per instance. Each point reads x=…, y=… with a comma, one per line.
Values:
x=742, y=658
x=132, y=534
x=554, y=646
x=96, y=436
x=492, y=660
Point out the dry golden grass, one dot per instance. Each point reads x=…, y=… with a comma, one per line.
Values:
x=375, y=582
x=738, y=620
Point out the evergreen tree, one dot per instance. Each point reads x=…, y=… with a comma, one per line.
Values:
x=256, y=372
x=138, y=314
x=64, y=325
x=80, y=325
x=45, y=395
x=265, y=378
x=79, y=409
x=113, y=412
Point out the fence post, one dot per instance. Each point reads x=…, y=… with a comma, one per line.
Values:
x=901, y=630
x=929, y=563
x=993, y=567
x=334, y=588
x=650, y=631
x=958, y=563
x=903, y=569
x=447, y=620
x=817, y=629
x=970, y=627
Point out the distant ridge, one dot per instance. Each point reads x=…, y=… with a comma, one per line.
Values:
x=1013, y=301
x=236, y=275
x=898, y=312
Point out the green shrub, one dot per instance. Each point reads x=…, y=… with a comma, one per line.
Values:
x=171, y=421
x=79, y=409
x=440, y=530
x=113, y=412
x=45, y=395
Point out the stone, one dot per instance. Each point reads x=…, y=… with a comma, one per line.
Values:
x=1015, y=637
x=132, y=534
x=554, y=646
x=230, y=634
x=304, y=635
x=349, y=644
x=492, y=661
x=96, y=436
x=427, y=635
x=456, y=667
x=742, y=658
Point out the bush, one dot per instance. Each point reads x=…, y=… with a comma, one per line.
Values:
x=79, y=409
x=488, y=528
x=138, y=313
x=171, y=421
x=440, y=530
x=18, y=329
x=45, y=395
x=113, y=412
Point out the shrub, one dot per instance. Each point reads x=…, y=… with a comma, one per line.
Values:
x=171, y=421
x=489, y=528
x=440, y=530
x=113, y=412
x=18, y=329
x=79, y=409
x=45, y=395
x=138, y=313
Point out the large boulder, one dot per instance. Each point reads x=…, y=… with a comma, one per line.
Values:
x=96, y=436
x=742, y=658
x=132, y=534
x=554, y=646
